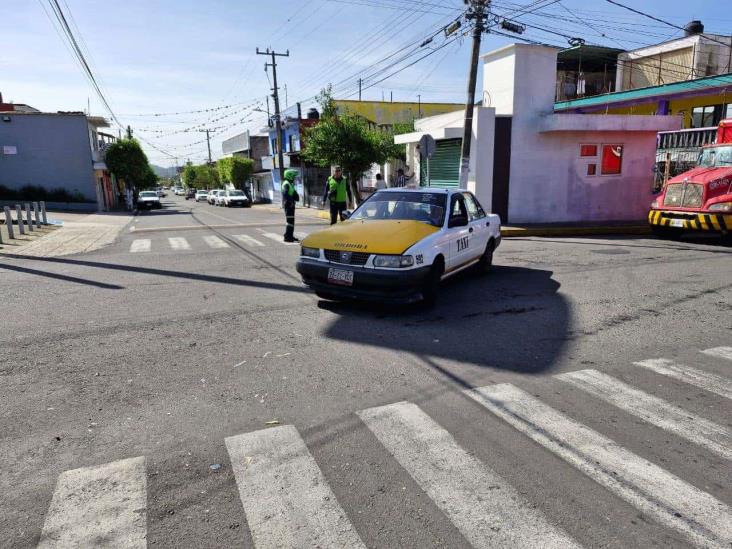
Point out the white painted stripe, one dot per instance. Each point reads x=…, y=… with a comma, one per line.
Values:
x=279, y=239
x=709, y=382
x=215, y=242
x=300, y=234
x=141, y=245
x=712, y=436
x=179, y=243
x=486, y=510
x=720, y=352
x=102, y=506
x=651, y=489
x=286, y=498
x=248, y=240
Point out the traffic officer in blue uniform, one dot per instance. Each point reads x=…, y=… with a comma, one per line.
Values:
x=289, y=199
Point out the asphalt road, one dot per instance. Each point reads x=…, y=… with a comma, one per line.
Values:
x=181, y=388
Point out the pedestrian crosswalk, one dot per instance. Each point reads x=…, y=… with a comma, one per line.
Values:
x=260, y=239
x=288, y=501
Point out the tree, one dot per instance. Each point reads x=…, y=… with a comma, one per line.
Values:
x=126, y=159
x=207, y=177
x=149, y=180
x=235, y=170
x=347, y=140
x=189, y=176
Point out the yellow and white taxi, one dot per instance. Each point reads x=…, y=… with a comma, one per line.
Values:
x=398, y=246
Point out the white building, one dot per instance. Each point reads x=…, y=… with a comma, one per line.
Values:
x=531, y=165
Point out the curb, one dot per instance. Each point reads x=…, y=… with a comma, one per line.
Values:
x=513, y=232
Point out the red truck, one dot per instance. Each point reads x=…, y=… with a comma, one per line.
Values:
x=699, y=199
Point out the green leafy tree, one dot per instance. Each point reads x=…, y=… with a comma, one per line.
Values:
x=150, y=179
x=207, y=177
x=235, y=170
x=127, y=160
x=347, y=140
x=189, y=176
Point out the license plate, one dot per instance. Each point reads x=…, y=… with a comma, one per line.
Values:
x=677, y=223
x=339, y=276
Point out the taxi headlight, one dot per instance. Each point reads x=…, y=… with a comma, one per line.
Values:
x=721, y=207
x=310, y=252
x=393, y=261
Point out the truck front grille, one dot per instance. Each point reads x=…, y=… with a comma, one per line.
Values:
x=684, y=195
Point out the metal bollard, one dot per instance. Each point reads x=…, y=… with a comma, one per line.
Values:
x=28, y=219
x=35, y=215
x=43, y=212
x=9, y=223
x=19, y=214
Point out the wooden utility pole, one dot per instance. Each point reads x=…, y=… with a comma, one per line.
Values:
x=478, y=10
x=208, y=142
x=276, y=97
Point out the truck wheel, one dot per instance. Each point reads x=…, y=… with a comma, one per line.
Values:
x=486, y=260
x=432, y=285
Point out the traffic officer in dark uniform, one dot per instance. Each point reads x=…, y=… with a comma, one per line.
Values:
x=289, y=199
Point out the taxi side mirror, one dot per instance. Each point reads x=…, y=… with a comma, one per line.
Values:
x=457, y=221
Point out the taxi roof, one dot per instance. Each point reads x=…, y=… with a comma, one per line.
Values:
x=417, y=190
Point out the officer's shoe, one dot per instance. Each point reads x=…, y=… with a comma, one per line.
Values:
x=292, y=239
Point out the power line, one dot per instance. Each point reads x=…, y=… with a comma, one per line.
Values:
x=58, y=12
x=665, y=22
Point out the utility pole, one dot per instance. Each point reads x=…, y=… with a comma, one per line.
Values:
x=359, y=88
x=419, y=102
x=477, y=10
x=129, y=132
x=208, y=142
x=276, y=97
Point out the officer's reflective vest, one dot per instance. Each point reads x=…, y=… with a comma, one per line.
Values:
x=341, y=194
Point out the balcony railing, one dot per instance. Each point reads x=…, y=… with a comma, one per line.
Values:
x=686, y=139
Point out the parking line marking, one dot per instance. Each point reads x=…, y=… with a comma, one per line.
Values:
x=699, y=378
x=141, y=245
x=215, y=242
x=712, y=436
x=719, y=352
x=179, y=243
x=285, y=495
x=486, y=509
x=653, y=490
x=103, y=506
x=248, y=240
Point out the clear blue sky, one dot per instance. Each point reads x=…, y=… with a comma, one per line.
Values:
x=168, y=56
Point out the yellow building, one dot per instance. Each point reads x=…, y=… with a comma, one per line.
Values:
x=386, y=113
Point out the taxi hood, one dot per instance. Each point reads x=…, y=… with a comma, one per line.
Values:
x=371, y=236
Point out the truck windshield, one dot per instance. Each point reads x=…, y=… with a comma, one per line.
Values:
x=712, y=157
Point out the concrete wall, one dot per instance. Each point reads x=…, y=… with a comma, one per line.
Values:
x=548, y=179
x=52, y=151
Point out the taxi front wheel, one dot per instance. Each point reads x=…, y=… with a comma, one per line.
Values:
x=486, y=260
x=432, y=285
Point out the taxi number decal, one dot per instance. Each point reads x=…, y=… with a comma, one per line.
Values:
x=463, y=243
x=419, y=259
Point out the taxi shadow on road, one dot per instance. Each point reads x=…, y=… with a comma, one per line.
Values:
x=165, y=210
x=512, y=319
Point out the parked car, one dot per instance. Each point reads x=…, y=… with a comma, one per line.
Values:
x=148, y=200
x=201, y=195
x=219, y=200
x=236, y=198
x=179, y=191
x=191, y=193
x=212, y=195
x=161, y=193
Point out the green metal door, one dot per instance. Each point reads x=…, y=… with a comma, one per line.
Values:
x=444, y=165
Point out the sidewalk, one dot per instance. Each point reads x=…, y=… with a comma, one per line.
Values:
x=513, y=231
x=78, y=233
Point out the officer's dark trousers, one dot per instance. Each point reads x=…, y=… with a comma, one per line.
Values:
x=290, y=219
x=336, y=210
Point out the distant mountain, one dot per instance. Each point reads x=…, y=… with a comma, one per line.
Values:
x=163, y=172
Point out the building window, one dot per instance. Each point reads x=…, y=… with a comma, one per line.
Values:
x=702, y=117
x=612, y=159
x=588, y=150
x=591, y=169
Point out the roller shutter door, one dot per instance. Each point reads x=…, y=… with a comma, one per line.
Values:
x=444, y=165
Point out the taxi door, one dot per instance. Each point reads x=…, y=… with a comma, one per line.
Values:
x=478, y=222
x=460, y=233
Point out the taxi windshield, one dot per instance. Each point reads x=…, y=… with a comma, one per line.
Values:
x=713, y=157
x=413, y=206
